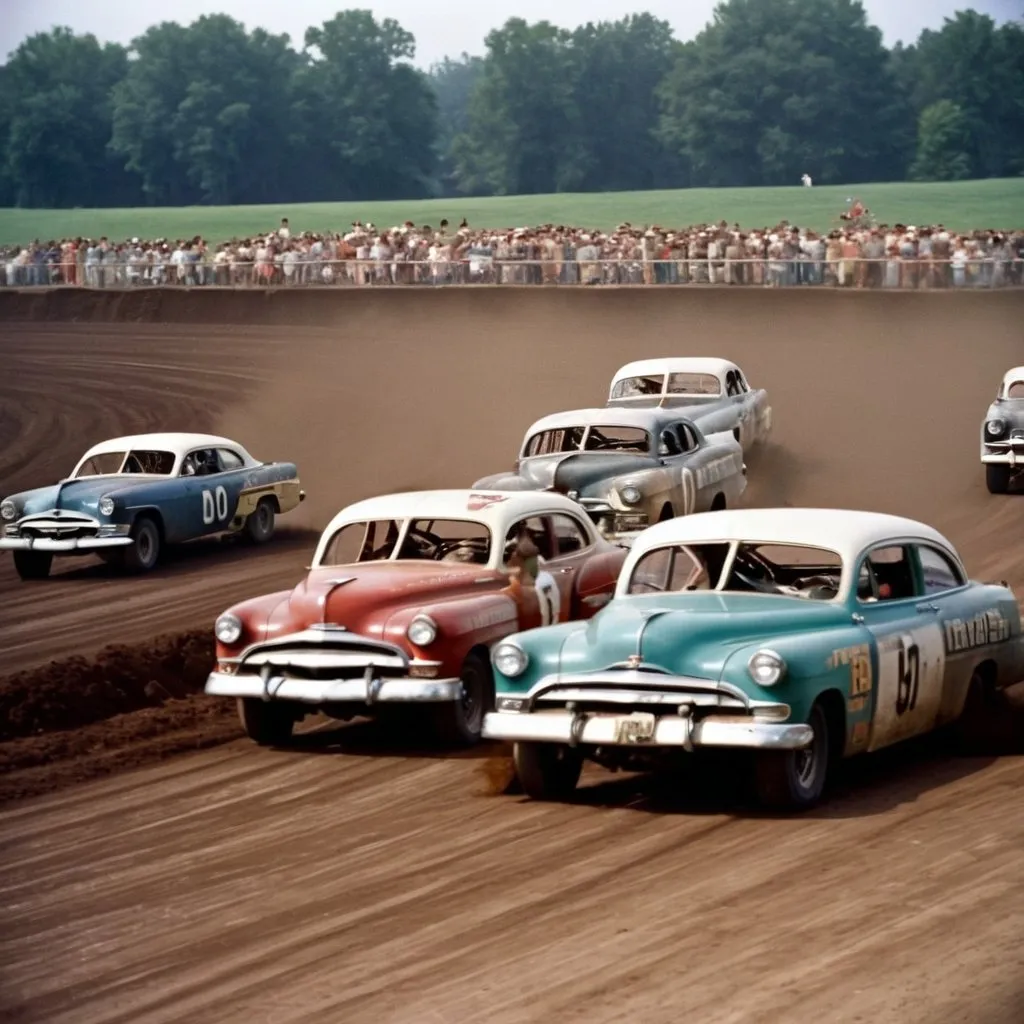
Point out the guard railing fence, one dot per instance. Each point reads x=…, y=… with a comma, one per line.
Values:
x=986, y=271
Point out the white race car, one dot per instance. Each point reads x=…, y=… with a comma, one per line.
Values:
x=1002, y=433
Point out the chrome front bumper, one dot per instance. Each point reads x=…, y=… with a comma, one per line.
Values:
x=657, y=710
x=55, y=545
x=635, y=730
x=368, y=690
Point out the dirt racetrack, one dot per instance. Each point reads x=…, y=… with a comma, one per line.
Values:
x=353, y=880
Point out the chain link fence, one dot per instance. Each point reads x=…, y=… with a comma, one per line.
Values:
x=888, y=273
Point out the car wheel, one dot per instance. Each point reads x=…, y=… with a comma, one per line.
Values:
x=33, y=565
x=269, y=723
x=989, y=724
x=547, y=771
x=458, y=723
x=144, y=551
x=997, y=477
x=795, y=779
x=259, y=526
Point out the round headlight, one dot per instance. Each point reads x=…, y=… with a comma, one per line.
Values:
x=509, y=660
x=8, y=511
x=106, y=505
x=766, y=668
x=995, y=427
x=422, y=631
x=631, y=495
x=228, y=628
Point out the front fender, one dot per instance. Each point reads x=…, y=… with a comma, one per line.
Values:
x=462, y=624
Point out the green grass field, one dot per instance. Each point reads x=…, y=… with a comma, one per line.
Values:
x=959, y=205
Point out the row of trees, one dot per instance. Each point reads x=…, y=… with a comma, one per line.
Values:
x=211, y=113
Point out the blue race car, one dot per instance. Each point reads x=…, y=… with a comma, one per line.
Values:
x=129, y=496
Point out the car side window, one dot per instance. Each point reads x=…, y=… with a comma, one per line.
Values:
x=890, y=575
x=535, y=529
x=569, y=535
x=732, y=386
x=229, y=460
x=202, y=462
x=687, y=438
x=742, y=382
x=669, y=444
x=938, y=571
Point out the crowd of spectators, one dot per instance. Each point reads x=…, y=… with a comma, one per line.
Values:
x=856, y=254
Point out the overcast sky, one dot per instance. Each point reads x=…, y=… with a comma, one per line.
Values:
x=441, y=27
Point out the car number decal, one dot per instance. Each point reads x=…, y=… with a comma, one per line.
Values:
x=215, y=505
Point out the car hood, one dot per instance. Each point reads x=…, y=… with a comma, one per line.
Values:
x=76, y=495
x=688, y=634
x=363, y=597
x=577, y=471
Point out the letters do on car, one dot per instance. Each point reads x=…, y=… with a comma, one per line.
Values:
x=129, y=496
x=802, y=635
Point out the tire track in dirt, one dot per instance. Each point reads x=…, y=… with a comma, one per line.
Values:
x=350, y=880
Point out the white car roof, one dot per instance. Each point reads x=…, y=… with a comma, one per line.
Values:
x=178, y=443
x=844, y=531
x=497, y=514
x=674, y=364
x=609, y=416
x=1012, y=377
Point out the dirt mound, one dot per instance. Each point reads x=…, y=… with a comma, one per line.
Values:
x=78, y=691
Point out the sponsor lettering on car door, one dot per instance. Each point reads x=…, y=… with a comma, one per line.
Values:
x=909, y=643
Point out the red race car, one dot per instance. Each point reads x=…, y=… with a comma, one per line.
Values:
x=406, y=596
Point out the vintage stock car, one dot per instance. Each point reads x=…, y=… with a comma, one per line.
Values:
x=800, y=635
x=628, y=468
x=405, y=596
x=713, y=393
x=129, y=496
x=1002, y=433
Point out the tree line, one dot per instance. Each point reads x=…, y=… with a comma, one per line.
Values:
x=769, y=90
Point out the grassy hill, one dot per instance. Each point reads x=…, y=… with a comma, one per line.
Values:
x=959, y=205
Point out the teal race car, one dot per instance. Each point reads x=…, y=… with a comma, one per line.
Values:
x=128, y=497
x=799, y=635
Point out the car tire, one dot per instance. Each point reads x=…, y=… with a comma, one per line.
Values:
x=33, y=565
x=144, y=551
x=459, y=723
x=989, y=724
x=259, y=525
x=997, y=477
x=268, y=723
x=547, y=771
x=794, y=780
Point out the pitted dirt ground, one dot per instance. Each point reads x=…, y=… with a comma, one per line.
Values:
x=353, y=880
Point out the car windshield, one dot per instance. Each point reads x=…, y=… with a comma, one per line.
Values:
x=796, y=570
x=430, y=540
x=596, y=438
x=138, y=460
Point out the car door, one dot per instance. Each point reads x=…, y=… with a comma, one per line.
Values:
x=707, y=465
x=909, y=652
x=537, y=596
x=756, y=404
x=573, y=549
x=212, y=493
x=968, y=621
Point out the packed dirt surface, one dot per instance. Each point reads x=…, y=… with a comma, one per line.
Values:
x=353, y=878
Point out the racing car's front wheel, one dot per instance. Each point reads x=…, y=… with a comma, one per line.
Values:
x=259, y=526
x=458, y=723
x=547, y=771
x=269, y=723
x=997, y=477
x=142, y=554
x=793, y=780
x=33, y=565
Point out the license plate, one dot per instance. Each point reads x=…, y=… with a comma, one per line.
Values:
x=637, y=728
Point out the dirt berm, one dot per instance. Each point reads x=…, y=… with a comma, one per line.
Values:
x=877, y=400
